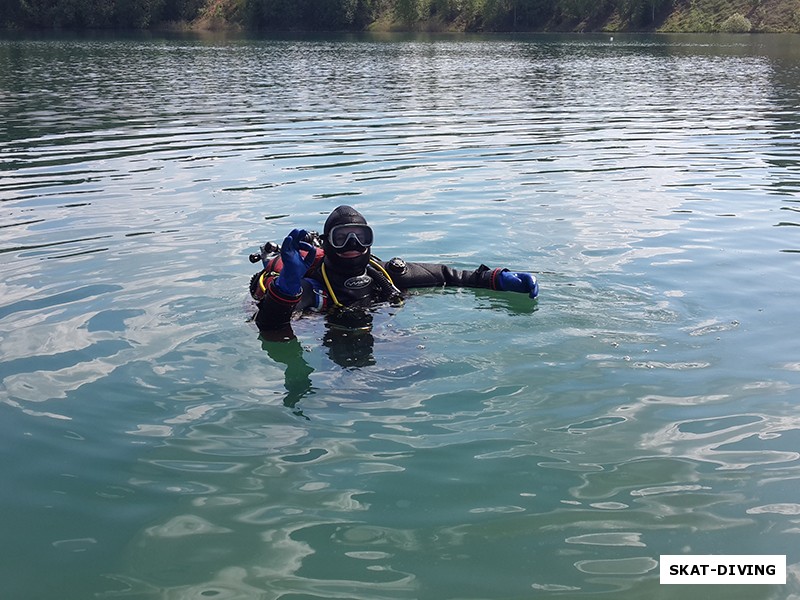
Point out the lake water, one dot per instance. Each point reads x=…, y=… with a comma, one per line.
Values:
x=467, y=445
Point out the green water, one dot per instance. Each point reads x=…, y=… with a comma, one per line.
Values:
x=467, y=445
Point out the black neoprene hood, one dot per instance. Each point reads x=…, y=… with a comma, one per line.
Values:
x=344, y=215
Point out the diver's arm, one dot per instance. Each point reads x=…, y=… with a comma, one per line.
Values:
x=275, y=309
x=413, y=275
x=287, y=291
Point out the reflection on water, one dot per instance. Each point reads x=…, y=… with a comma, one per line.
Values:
x=466, y=444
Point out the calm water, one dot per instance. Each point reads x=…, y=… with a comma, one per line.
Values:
x=469, y=445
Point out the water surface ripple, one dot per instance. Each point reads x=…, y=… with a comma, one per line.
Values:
x=468, y=444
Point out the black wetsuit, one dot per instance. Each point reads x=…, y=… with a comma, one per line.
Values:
x=275, y=309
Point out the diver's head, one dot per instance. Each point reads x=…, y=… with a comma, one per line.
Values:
x=347, y=240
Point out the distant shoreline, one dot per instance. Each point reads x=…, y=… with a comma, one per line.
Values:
x=414, y=16
x=680, y=16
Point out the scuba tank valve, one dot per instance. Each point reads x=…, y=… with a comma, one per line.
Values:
x=265, y=252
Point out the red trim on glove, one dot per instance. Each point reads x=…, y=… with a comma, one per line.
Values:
x=494, y=281
x=276, y=294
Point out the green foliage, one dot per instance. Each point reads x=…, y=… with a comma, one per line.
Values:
x=583, y=14
x=406, y=11
x=505, y=15
x=736, y=23
x=96, y=14
x=699, y=20
x=697, y=16
x=308, y=14
x=184, y=10
x=534, y=13
x=138, y=14
x=642, y=13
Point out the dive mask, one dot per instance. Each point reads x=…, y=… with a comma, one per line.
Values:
x=340, y=235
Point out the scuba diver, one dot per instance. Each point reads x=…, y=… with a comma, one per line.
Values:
x=337, y=269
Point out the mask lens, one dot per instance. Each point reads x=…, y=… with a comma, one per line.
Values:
x=340, y=234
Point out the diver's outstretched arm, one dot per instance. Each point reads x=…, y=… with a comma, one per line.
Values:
x=413, y=275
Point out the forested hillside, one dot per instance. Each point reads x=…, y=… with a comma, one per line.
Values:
x=413, y=15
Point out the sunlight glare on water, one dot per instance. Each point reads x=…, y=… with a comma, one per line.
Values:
x=468, y=444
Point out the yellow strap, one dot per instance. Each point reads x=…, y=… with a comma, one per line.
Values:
x=330, y=288
x=328, y=285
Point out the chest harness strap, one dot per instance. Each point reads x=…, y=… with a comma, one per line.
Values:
x=373, y=263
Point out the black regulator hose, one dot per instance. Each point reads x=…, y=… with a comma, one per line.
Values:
x=389, y=291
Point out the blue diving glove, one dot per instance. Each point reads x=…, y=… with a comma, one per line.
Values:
x=524, y=283
x=294, y=264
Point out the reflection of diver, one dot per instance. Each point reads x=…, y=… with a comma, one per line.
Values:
x=285, y=348
x=338, y=270
x=348, y=338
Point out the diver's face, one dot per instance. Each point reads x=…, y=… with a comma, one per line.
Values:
x=352, y=254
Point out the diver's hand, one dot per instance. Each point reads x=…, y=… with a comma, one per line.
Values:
x=294, y=264
x=524, y=283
